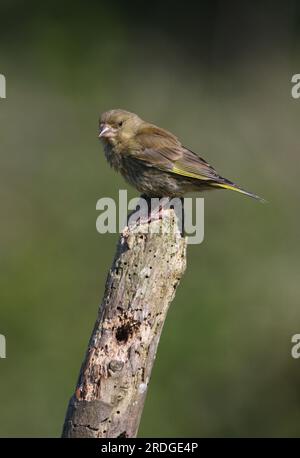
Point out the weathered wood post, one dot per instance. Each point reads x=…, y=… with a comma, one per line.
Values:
x=112, y=386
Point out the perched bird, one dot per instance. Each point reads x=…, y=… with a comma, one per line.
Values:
x=153, y=160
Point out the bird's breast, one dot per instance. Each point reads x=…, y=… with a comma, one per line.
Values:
x=113, y=157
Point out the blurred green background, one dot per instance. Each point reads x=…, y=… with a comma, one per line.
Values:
x=218, y=75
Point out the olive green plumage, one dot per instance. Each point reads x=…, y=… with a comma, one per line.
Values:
x=153, y=160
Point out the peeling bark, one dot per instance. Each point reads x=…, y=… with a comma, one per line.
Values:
x=112, y=386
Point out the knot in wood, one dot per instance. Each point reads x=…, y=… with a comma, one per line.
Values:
x=115, y=365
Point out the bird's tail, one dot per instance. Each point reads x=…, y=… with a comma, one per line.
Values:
x=226, y=184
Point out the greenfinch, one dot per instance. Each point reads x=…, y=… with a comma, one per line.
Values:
x=154, y=161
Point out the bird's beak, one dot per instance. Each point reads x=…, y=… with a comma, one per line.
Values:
x=105, y=131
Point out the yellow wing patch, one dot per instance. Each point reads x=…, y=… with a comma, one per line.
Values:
x=228, y=186
x=189, y=174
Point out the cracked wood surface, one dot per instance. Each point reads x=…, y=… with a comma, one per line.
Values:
x=114, y=377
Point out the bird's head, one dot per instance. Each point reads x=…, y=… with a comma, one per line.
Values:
x=118, y=125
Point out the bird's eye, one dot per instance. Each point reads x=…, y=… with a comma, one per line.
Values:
x=120, y=124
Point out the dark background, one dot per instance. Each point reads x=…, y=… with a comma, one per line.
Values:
x=218, y=74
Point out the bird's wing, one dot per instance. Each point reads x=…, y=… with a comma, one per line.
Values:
x=161, y=149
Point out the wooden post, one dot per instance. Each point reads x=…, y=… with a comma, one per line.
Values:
x=114, y=377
